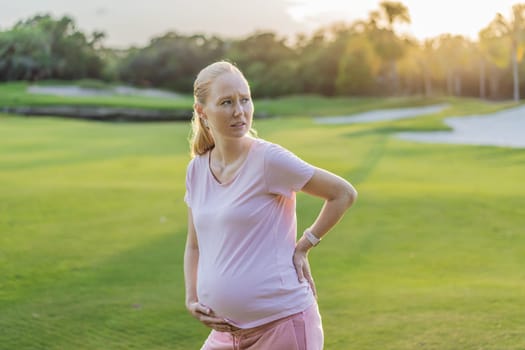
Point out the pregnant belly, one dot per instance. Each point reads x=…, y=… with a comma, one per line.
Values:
x=242, y=298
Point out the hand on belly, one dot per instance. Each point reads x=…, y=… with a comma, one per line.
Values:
x=208, y=317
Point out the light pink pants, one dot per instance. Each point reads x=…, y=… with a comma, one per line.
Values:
x=301, y=331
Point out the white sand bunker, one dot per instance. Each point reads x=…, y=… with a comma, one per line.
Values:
x=382, y=114
x=505, y=128
x=77, y=91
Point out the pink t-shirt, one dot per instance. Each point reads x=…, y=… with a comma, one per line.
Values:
x=246, y=231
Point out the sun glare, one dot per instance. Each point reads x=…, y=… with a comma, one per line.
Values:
x=301, y=10
x=312, y=10
x=429, y=18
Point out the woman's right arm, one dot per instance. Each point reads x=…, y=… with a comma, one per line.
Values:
x=191, y=261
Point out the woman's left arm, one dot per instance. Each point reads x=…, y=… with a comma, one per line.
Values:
x=339, y=195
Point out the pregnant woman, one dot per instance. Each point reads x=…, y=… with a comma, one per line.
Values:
x=246, y=276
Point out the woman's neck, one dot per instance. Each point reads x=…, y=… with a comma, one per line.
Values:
x=227, y=152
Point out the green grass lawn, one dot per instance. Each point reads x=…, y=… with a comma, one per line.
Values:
x=92, y=232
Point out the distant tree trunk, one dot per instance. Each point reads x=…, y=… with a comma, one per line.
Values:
x=428, y=83
x=482, y=92
x=515, y=75
x=494, y=85
x=450, y=82
x=394, y=76
x=457, y=85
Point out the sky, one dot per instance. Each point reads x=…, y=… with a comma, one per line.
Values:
x=134, y=23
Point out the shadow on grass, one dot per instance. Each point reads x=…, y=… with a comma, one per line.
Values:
x=135, y=298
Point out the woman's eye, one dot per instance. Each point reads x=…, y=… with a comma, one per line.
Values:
x=245, y=100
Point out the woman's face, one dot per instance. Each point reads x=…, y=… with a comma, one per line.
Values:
x=229, y=108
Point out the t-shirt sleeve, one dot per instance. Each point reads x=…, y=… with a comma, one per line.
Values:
x=284, y=172
x=189, y=175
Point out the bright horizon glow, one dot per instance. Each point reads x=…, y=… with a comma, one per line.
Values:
x=135, y=23
x=428, y=18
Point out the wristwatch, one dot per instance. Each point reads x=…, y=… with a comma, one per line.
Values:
x=313, y=239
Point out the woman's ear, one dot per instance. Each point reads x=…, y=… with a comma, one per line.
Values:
x=199, y=108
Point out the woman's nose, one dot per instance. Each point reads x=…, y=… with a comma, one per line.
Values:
x=237, y=110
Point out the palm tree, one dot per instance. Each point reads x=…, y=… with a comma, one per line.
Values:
x=420, y=68
x=513, y=29
x=394, y=12
x=452, y=52
x=494, y=56
x=388, y=45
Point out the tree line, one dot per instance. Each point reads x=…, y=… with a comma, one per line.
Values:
x=365, y=57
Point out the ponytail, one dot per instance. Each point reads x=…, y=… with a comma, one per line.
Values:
x=201, y=140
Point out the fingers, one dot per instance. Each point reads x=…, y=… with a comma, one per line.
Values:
x=206, y=316
x=298, y=264
x=219, y=324
x=312, y=285
x=213, y=322
x=199, y=311
x=303, y=272
x=199, y=308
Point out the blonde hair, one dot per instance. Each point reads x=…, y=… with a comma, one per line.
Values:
x=201, y=139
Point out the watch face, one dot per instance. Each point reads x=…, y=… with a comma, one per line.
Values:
x=311, y=238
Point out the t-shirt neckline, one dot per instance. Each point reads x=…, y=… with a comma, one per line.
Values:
x=239, y=171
